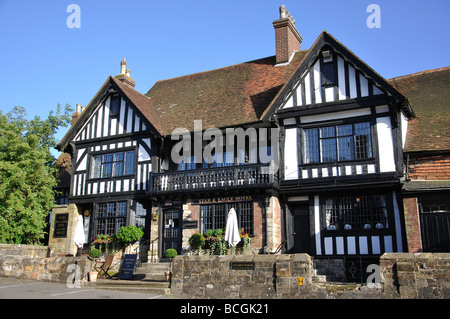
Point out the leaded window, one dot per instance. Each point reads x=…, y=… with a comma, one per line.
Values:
x=214, y=216
x=110, y=217
x=112, y=164
x=356, y=212
x=337, y=143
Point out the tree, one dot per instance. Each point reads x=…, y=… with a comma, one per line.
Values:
x=27, y=173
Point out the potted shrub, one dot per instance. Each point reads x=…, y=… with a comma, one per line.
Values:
x=197, y=241
x=94, y=253
x=171, y=254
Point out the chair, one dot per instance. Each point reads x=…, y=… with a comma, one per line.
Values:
x=103, y=266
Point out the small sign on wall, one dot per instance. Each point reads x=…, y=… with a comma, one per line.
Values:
x=61, y=222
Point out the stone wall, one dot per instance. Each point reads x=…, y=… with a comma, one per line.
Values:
x=273, y=276
x=292, y=276
x=31, y=262
x=422, y=275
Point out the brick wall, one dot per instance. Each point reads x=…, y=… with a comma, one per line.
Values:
x=412, y=224
x=429, y=167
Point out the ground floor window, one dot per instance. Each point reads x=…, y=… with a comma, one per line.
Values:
x=110, y=217
x=214, y=216
x=356, y=212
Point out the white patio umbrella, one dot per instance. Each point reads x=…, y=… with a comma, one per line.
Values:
x=231, y=230
x=79, y=239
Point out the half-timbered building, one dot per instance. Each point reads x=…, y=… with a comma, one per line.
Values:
x=112, y=143
x=332, y=187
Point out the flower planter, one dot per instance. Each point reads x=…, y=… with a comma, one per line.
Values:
x=93, y=276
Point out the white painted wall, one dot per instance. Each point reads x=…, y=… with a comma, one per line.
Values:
x=290, y=154
x=385, y=144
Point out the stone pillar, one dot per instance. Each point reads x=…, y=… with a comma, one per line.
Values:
x=62, y=230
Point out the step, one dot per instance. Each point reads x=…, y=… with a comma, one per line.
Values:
x=148, y=286
x=153, y=268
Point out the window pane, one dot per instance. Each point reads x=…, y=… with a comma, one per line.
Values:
x=327, y=132
x=101, y=210
x=129, y=163
x=107, y=169
x=328, y=147
x=311, y=145
x=118, y=164
x=328, y=73
x=345, y=130
x=345, y=148
x=363, y=143
x=107, y=158
x=110, y=209
x=121, y=209
x=245, y=214
x=115, y=105
x=96, y=166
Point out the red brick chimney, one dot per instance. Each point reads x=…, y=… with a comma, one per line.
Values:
x=287, y=38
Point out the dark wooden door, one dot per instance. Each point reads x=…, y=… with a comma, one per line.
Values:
x=301, y=228
x=435, y=228
x=172, y=229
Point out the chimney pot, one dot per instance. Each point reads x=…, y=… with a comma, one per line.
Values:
x=125, y=73
x=123, y=66
x=77, y=114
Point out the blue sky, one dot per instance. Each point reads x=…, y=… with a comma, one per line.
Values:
x=45, y=63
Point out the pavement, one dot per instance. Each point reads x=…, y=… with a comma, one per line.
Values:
x=11, y=288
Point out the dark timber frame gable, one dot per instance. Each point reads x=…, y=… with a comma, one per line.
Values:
x=325, y=40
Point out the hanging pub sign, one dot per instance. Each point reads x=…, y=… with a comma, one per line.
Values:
x=61, y=222
x=226, y=199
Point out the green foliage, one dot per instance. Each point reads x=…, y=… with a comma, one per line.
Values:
x=209, y=233
x=216, y=242
x=27, y=173
x=94, y=253
x=171, y=253
x=197, y=241
x=129, y=234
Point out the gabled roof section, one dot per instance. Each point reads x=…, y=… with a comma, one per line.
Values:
x=326, y=40
x=428, y=93
x=229, y=96
x=139, y=101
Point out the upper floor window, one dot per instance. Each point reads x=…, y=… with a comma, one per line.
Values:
x=114, y=105
x=112, y=164
x=337, y=143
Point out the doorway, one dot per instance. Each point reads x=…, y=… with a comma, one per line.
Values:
x=301, y=230
x=171, y=229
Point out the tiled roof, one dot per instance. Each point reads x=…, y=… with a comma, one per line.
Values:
x=428, y=93
x=228, y=96
x=141, y=102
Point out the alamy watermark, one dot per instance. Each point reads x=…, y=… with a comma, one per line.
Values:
x=74, y=19
x=74, y=279
x=374, y=19
x=374, y=279
x=249, y=146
